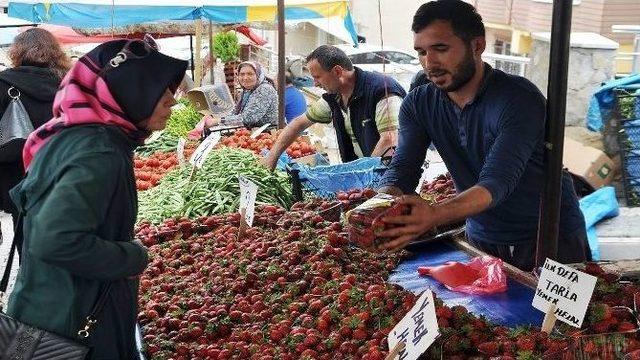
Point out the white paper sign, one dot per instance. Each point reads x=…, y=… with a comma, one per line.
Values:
x=569, y=289
x=418, y=329
x=259, y=130
x=154, y=136
x=200, y=155
x=248, y=193
x=180, y=151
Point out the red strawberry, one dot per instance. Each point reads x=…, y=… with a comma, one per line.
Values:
x=489, y=348
x=600, y=312
x=526, y=343
x=593, y=269
x=626, y=326
x=444, y=312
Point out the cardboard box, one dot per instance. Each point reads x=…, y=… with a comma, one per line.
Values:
x=212, y=99
x=591, y=164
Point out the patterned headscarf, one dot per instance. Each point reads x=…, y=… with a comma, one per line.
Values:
x=117, y=83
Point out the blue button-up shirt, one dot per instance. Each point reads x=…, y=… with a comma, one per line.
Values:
x=495, y=141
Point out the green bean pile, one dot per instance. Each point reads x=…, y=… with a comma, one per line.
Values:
x=165, y=143
x=214, y=189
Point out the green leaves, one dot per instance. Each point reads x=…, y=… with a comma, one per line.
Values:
x=226, y=46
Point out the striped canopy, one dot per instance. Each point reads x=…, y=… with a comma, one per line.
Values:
x=108, y=13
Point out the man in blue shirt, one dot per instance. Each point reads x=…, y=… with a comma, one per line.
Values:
x=488, y=127
x=295, y=103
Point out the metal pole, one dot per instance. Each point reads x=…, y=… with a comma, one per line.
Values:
x=548, y=226
x=211, y=51
x=198, y=56
x=281, y=51
x=192, y=63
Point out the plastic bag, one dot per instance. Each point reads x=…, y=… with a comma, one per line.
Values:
x=15, y=122
x=482, y=275
x=365, y=221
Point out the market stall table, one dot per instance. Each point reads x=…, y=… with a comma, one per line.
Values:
x=511, y=308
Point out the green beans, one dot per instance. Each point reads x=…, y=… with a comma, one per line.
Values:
x=214, y=189
x=165, y=143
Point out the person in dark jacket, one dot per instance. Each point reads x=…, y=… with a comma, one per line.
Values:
x=488, y=126
x=78, y=200
x=363, y=107
x=38, y=66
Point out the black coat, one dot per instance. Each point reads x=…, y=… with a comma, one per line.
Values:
x=38, y=87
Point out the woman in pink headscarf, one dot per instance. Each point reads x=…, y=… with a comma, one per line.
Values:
x=78, y=202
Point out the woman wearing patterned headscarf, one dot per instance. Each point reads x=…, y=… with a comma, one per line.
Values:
x=78, y=200
x=258, y=104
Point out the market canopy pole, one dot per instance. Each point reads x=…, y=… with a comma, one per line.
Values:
x=547, y=245
x=281, y=50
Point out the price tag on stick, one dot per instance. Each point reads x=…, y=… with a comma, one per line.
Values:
x=563, y=292
x=154, y=136
x=248, y=193
x=200, y=155
x=180, y=151
x=259, y=130
x=417, y=330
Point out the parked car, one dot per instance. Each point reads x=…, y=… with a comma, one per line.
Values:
x=396, y=63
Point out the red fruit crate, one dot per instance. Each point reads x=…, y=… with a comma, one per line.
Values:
x=607, y=346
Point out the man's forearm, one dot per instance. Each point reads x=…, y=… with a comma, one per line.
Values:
x=471, y=202
x=387, y=140
x=288, y=136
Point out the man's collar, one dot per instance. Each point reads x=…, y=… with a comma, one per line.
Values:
x=358, y=88
x=488, y=74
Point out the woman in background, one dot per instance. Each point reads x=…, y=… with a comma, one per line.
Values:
x=38, y=66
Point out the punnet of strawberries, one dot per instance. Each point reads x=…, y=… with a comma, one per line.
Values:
x=354, y=197
x=366, y=222
x=438, y=190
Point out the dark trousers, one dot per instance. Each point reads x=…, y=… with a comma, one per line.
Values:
x=573, y=248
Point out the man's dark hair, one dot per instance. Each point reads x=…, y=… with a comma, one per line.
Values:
x=329, y=56
x=463, y=17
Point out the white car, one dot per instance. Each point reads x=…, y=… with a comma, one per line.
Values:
x=396, y=63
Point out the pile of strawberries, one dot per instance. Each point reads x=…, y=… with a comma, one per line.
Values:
x=291, y=292
x=610, y=329
x=242, y=139
x=352, y=198
x=438, y=190
x=150, y=170
x=295, y=289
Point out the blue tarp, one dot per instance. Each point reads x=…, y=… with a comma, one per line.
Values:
x=603, y=100
x=510, y=308
x=599, y=205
